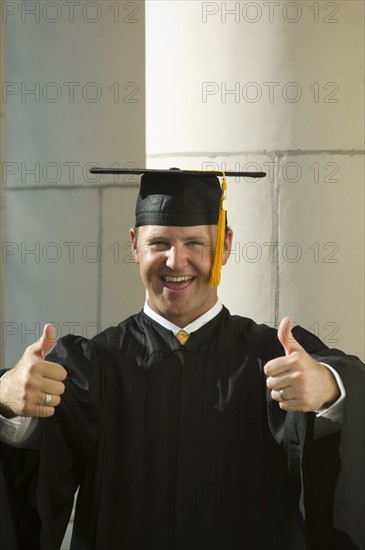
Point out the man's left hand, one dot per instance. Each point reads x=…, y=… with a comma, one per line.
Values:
x=296, y=380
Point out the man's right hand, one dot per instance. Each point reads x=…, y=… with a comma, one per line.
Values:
x=34, y=386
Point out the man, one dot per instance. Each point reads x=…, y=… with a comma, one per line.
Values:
x=174, y=424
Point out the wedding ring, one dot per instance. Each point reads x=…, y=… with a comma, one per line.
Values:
x=281, y=393
x=47, y=399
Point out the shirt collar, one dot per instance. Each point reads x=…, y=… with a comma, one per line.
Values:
x=192, y=327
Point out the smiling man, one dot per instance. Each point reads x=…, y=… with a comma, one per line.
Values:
x=175, y=265
x=184, y=427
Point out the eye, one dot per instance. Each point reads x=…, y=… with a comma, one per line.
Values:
x=201, y=245
x=159, y=245
x=196, y=243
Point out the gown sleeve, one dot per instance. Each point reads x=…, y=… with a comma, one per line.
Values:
x=331, y=468
x=349, y=498
x=19, y=520
x=38, y=483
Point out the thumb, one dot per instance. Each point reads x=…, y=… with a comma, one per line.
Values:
x=286, y=337
x=47, y=340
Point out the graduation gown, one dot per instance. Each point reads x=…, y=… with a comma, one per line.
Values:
x=181, y=448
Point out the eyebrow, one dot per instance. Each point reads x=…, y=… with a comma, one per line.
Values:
x=164, y=236
x=197, y=238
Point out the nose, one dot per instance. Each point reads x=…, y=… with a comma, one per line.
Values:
x=176, y=258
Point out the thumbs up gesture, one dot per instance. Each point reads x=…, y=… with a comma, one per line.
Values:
x=296, y=380
x=34, y=386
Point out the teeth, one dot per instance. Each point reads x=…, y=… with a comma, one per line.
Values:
x=170, y=279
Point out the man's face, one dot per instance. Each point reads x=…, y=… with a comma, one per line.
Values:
x=175, y=265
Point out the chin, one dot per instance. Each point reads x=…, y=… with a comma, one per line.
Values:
x=174, y=313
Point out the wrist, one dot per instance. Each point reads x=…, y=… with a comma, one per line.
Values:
x=5, y=409
x=333, y=392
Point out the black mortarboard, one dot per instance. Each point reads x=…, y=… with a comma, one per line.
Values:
x=175, y=198
x=183, y=198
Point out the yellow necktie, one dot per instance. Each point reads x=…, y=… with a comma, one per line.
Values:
x=182, y=336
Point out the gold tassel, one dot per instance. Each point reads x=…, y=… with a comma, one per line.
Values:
x=215, y=275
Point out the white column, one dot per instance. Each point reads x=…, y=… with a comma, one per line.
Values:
x=277, y=86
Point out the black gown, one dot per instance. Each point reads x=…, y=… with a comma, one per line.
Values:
x=181, y=448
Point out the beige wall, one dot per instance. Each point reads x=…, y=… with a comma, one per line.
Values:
x=229, y=84
x=73, y=96
x=280, y=85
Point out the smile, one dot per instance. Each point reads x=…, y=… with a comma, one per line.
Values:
x=177, y=283
x=170, y=279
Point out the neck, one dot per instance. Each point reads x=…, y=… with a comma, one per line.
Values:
x=176, y=324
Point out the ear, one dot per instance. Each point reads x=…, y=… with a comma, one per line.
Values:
x=227, y=246
x=133, y=238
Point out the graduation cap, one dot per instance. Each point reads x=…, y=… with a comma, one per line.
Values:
x=183, y=198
